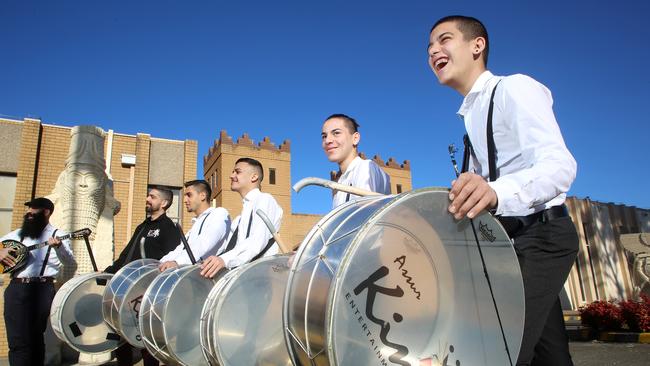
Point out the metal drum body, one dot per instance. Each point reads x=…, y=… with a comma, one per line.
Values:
x=123, y=295
x=395, y=280
x=242, y=318
x=76, y=315
x=170, y=315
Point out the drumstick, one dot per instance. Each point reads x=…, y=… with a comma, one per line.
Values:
x=283, y=247
x=143, y=254
x=332, y=185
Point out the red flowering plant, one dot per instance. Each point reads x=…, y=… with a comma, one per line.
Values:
x=602, y=315
x=636, y=314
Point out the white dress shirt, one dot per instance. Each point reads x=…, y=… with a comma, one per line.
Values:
x=207, y=235
x=365, y=174
x=248, y=247
x=534, y=167
x=58, y=256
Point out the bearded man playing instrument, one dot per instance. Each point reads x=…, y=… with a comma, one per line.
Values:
x=28, y=297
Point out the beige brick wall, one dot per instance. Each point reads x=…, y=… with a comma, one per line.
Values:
x=26, y=175
x=42, y=153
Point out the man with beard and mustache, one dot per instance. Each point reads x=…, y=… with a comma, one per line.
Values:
x=160, y=237
x=28, y=297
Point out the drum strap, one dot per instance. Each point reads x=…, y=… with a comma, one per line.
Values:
x=233, y=238
x=492, y=159
x=47, y=256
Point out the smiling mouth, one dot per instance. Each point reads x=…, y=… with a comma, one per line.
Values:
x=440, y=63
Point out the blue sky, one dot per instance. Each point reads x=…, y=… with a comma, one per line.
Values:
x=188, y=69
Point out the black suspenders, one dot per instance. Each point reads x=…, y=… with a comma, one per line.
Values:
x=491, y=147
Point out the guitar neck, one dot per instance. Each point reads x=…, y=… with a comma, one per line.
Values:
x=43, y=244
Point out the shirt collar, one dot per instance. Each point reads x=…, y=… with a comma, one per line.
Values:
x=203, y=214
x=356, y=161
x=477, y=88
x=251, y=195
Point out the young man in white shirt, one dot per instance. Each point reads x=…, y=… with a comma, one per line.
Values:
x=249, y=239
x=531, y=172
x=340, y=139
x=209, y=228
x=28, y=297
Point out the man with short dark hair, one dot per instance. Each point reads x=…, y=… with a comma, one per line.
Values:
x=250, y=239
x=520, y=168
x=160, y=237
x=159, y=232
x=340, y=139
x=209, y=228
x=29, y=295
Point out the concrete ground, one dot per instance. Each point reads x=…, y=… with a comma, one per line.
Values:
x=588, y=354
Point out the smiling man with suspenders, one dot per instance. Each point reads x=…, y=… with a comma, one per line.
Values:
x=209, y=229
x=520, y=168
x=250, y=239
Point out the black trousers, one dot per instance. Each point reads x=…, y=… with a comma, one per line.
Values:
x=124, y=355
x=26, y=311
x=546, y=253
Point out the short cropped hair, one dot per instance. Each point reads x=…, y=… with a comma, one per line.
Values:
x=255, y=164
x=350, y=122
x=471, y=28
x=200, y=185
x=165, y=194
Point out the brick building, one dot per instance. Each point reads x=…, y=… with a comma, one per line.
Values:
x=33, y=154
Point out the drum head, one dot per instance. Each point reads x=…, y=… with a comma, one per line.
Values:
x=403, y=284
x=123, y=296
x=76, y=315
x=248, y=327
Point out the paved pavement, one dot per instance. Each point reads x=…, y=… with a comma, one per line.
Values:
x=589, y=354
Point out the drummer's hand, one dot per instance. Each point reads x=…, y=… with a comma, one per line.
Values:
x=6, y=257
x=54, y=242
x=211, y=266
x=470, y=194
x=167, y=265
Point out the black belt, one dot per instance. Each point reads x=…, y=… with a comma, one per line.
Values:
x=514, y=224
x=32, y=280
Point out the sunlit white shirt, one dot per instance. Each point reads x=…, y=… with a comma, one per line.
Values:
x=534, y=167
x=365, y=174
x=61, y=255
x=208, y=233
x=248, y=247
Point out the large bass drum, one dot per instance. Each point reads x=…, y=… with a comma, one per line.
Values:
x=123, y=295
x=241, y=321
x=76, y=315
x=397, y=280
x=170, y=315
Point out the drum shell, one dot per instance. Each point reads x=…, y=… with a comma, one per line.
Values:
x=76, y=315
x=246, y=305
x=123, y=295
x=175, y=315
x=401, y=284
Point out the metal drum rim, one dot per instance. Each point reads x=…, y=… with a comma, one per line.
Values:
x=288, y=337
x=73, y=285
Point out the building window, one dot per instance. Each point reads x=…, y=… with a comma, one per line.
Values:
x=8, y=189
x=399, y=188
x=271, y=175
x=174, y=211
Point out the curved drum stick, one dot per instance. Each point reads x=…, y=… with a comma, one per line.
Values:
x=333, y=186
x=283, y=247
